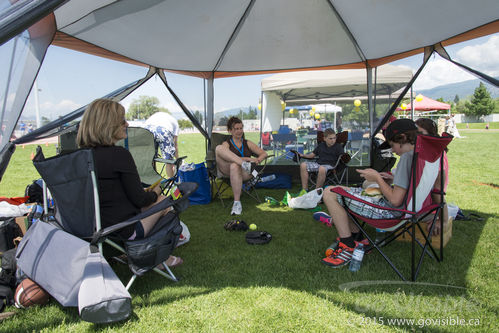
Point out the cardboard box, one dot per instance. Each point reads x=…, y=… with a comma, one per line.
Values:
x=22, y=222
x=435, y=240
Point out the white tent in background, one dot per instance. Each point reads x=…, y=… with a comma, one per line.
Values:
x=310, y=87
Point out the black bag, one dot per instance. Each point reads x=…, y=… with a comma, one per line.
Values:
x=144, y=254
x=8, y=279
x=9, y=230
x=258, y=237
x=34, y=191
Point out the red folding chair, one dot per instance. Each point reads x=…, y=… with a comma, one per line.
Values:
x=426, y=165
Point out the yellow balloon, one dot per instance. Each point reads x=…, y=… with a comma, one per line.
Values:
x=292, y=111
x=419, y=98
x=403, y=106
x=313, y=108
x=357, y=102
x=283, y=105
x=259, y=106
x=356, y=109
x=312, y=113
x=317, y=116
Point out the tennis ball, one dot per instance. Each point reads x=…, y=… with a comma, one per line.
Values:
x=252, y=226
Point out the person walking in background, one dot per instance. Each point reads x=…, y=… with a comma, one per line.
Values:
x=165, y=129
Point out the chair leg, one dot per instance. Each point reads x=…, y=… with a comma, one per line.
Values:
x=168, y=275
x=219, y=191
x=376, y=246
x=132, y=280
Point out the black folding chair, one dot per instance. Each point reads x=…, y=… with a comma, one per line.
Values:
x=220, y=184
x=72, y=181
x=339, y=171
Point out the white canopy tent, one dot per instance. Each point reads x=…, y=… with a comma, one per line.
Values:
x=310, y=87
x=219, y=38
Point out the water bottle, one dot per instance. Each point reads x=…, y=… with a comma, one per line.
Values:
x=380, y=234
x=358, y=255
x=268, y=178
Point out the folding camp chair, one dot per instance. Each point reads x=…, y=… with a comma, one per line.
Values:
x=221, y=184
x=418, y=206
x=340, y=169
x=72, y=181
x=283, y=143
x=143, y=147
x=358, y=147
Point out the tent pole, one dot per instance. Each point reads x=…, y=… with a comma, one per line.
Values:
x=210, y=106
x=370, y=98
x=261, y=118
x=412, y=103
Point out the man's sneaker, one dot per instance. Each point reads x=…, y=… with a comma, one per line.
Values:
x=340, y=257
x=246, y=166
x=323, y=218
x=333, y=247
x=237, y=208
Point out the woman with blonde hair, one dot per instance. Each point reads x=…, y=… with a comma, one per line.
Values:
x=121, y=193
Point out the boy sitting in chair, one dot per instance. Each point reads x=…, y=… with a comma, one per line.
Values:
x=327, y=153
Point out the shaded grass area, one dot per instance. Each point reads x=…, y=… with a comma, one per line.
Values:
x=227, y=285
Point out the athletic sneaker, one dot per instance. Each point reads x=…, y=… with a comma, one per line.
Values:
x=246, y=167
x=237, y=208
x=323, y=217
x=340, y=257
x=333, y=247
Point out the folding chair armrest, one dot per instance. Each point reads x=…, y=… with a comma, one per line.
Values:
x=180, y=204
x=341, y=191
x=297, y=157
x=98, y=235
x=177, y=162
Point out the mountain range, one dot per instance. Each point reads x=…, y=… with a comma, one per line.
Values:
x=463, y=89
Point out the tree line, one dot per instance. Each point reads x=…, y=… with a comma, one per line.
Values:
x=480, y=104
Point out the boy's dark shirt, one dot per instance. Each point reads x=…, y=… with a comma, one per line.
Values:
x=328, y=155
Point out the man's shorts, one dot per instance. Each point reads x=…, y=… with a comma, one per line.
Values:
x=314, y=166
x=367, y=211
x=164, y=138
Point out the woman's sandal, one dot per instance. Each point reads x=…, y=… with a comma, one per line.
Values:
x=171, y=262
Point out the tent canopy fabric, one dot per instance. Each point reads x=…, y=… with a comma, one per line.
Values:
x=330, y=84
x=240, y=37
x=426, y=104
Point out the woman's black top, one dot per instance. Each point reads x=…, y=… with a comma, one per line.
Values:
x=121, y=193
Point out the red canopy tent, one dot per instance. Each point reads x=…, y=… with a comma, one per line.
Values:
x=426, y=104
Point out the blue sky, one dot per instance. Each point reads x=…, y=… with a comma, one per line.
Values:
x=69, y=79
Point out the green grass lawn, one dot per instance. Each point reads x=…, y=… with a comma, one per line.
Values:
x=227, y=285
x=477, y=126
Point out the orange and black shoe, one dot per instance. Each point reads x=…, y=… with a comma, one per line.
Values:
x=333, y=247
x=340, y=257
